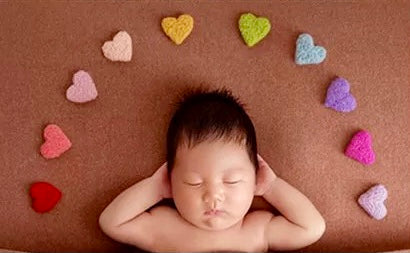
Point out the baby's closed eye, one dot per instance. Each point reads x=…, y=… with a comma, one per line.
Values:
x=226, y=181
x=232, y=181
x=193, y=184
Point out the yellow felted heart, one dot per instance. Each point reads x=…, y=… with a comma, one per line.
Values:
x=253, y=29
x=178, y=29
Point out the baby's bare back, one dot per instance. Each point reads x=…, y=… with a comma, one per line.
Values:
x=173, y=233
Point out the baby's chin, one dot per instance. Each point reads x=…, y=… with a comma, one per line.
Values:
x=214, y=228
x=215, y=224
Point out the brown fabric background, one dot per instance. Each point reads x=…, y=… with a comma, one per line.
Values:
x=119, y=138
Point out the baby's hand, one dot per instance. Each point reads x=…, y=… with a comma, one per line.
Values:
x=160, y=177
x=264, y=177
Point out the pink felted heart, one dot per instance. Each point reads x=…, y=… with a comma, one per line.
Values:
x=372, y=201
x=56, y=142
x=83, y=88
x=360, y=148
x=120, y=48
x=45, y=196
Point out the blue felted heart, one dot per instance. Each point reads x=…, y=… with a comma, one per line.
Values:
x=307, y=52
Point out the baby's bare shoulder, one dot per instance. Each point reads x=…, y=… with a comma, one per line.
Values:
x=259, y=217
x=163, y=210
x=166, y=215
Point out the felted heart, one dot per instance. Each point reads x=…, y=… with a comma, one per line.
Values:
x=339, y=97
x=360, y=148
x=120, y=48
x=83, y=88
x=44, y=196
x=178, y=29
x=372, y=201
x=307, y=52
x=253, y=29
x=56, y=142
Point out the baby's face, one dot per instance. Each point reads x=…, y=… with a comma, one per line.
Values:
x=213, y=184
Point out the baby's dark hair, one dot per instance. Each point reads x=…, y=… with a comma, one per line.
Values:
x=210, y=115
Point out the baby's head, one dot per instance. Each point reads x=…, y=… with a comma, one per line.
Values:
x=212, y=159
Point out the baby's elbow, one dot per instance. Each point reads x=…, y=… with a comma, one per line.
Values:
x=317, y=231
x=310, y=235
x=101, y=223
x=104, y=224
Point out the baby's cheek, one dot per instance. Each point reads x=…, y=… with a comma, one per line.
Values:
x=185, y=201
x=186, y=195
x=240, y=194
x=192, y=205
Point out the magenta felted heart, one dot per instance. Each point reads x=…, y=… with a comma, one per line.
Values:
x=360, y=148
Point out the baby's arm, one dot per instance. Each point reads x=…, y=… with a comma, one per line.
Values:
x=125, y=219
x=301, y=223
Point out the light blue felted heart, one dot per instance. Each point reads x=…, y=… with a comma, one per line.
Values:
x=307, y=52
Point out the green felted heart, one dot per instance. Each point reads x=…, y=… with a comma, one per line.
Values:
x=253, y=29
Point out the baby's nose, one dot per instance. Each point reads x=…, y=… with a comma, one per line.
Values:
x=214, y=195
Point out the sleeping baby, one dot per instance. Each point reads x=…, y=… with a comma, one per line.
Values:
x=212, y=173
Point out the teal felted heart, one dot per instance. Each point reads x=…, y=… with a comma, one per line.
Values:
x=253, y=29
x=307, y=52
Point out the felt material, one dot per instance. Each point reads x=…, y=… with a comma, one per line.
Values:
x=307, y=52
x=178, y=29
x=372, y=201
x=360, y=148
x=55, y=142
x=14, y=251
x=83, y=88
x=44, y=196
x=119, y=138
x=339, y=97
x=118, y=49
x=253, y=29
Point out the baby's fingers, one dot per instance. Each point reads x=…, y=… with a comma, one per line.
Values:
x=261, y=161
x=164, y=166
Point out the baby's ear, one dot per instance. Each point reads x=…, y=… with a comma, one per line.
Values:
x=258, y=190
x=260, y=183
x=263, y=177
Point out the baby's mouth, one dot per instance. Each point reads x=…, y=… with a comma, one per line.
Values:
x=214, y=212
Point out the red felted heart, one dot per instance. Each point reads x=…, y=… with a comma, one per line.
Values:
x=45, y=196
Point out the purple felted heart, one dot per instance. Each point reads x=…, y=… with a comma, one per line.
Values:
x=360, y=148
x=83, y=88
x=339, y=97
x=372, y=201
